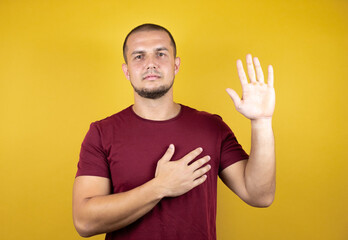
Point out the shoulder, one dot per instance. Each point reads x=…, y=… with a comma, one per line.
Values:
x=203, y=119
x=202, y=115
x=123, y=115
x=111, y=123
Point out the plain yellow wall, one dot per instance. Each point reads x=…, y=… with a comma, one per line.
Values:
x=60, y=69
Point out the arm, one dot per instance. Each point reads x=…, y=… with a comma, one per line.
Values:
x=97, y=211
x=254, y=180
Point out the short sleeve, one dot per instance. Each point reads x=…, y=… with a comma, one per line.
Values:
x=93, y=161
x=231, y=150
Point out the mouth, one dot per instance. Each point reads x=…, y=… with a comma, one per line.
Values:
x=151, y=77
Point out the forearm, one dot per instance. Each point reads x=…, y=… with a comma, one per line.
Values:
x=96, y=211
x=102, y=214
x=260, y=169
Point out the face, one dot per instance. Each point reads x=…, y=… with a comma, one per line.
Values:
x=151, y=65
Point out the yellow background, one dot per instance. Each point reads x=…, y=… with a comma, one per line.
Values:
x=60, y=69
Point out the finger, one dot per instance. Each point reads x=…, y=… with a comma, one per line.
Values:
x=199, y=163
x=200, y=172
x=270, y=76
x=259, y=73
x=169, y=153
x=250, y=67
x=235, y=98
x=199, y=181
x=192, y=155
x=241, y=74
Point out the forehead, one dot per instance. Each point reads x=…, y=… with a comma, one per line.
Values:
x=148, y=40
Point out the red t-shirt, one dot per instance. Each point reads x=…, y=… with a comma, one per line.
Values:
x=126, y=148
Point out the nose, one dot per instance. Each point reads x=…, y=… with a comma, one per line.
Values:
x=151, y=63
x=150, y=66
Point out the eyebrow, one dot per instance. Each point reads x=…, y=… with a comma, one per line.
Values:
x=138, y=52
x=156, y=50
x=161, y=49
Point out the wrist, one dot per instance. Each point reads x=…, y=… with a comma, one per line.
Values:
x=261, y=123
x=158, y=189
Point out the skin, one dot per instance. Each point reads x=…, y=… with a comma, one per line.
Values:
x=145, y=57
x=152, y=65
x=254, y=180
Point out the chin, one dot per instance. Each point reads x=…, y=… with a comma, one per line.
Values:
x=153, y=93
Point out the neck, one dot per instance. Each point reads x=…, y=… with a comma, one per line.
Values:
x=160, y=109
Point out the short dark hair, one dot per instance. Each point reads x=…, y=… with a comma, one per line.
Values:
x=147, y=27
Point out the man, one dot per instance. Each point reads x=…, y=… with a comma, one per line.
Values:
x=150, y=171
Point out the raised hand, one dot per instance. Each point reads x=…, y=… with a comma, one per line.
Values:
x=258, y=99
x=178, y=177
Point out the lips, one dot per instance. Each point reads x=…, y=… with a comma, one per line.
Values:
x=151, y=76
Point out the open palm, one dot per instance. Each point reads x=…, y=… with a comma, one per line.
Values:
x=258, y=99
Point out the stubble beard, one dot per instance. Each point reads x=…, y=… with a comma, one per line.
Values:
x=153, y=93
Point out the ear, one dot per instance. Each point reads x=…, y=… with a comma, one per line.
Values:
x=125, y=70
x=176, y=65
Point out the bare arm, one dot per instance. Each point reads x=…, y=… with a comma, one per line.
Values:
x=97, y=211
x=254, y=180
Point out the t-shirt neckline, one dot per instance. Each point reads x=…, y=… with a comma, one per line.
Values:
x=182, y=107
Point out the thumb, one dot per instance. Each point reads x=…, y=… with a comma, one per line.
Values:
x=169, y=154
x=235, y=98
x=166, y=158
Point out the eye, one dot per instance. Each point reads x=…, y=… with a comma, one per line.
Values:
x=138, y=57
x=161, y=54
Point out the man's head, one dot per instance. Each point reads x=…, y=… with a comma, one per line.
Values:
x=151, y=64
x=147, y=27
